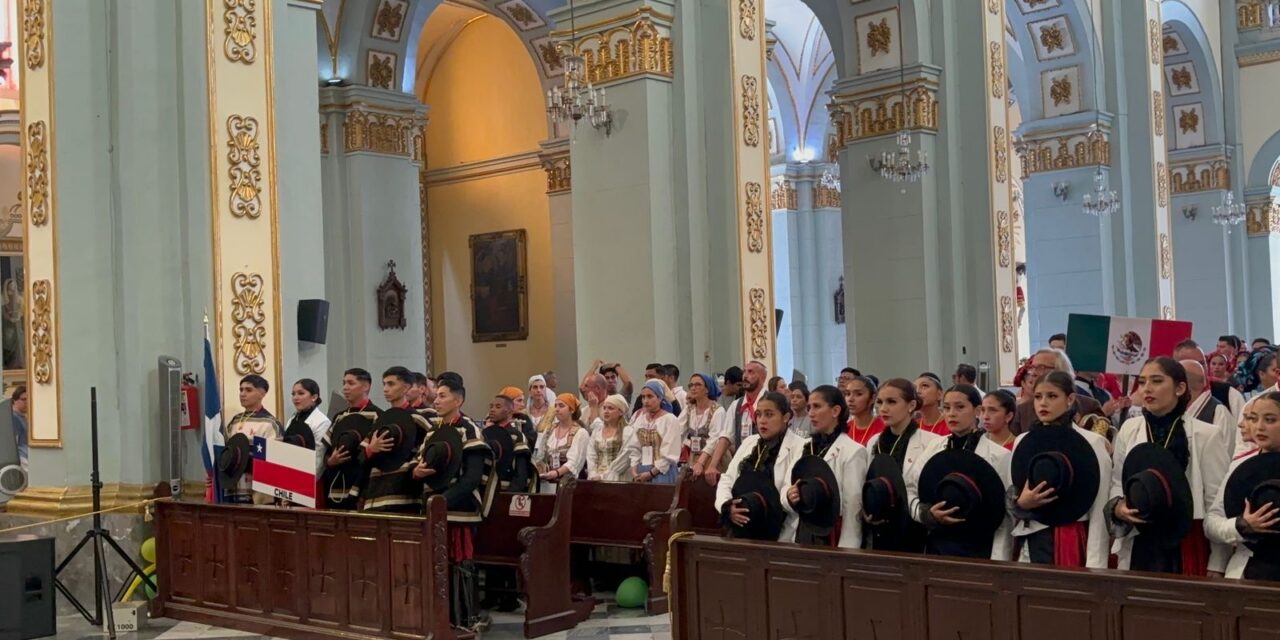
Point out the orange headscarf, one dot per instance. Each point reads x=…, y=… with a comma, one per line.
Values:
x=571, y=401
x=511, y=393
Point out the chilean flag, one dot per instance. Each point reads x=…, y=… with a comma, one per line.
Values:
x=213, y=440
x=285, y=471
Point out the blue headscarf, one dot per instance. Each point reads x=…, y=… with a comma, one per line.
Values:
x=713, y=389
x=659, y=389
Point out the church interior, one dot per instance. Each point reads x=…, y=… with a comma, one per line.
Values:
x=394, y=200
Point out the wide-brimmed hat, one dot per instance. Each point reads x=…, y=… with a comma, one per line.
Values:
x=299, y=433
x=1066, y=462
x=403, y=431
x=1156, y=486
x=442, y=451
x=1257, y=480
x=756, y=492
x=819, y=505
x=234, y=459
x=964, y=480
x=349, y=431
x=884, y=494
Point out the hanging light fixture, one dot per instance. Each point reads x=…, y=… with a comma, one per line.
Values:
x=1103, y=200
x=577, y=98
x=1230, y=213
x=829, y=180
x=899, y=165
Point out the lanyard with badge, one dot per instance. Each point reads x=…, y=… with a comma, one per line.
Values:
x=700, y=433
x=746, y=421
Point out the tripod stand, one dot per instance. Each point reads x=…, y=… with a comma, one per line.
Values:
x=98, y=535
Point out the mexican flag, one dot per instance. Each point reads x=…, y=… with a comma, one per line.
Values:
x=1111, y=344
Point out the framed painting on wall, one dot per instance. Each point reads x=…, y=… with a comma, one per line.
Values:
x=499, y=290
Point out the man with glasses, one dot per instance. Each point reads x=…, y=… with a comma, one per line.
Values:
x=1044, y=361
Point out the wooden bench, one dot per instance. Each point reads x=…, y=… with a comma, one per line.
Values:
x=699, y=499
x=725, y=588
x=299, y=573
x=537, y=546
x=632, y=515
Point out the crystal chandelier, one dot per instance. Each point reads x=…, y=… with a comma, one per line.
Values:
x=1103, y=201
x=829, y=180
x=577, y=98
x=898, y=166
x=1230, y=213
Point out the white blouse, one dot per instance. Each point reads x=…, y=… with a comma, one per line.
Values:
x=550, y=445
x=619, y=469
x=667, y=452
x=1000, y=459
x=692, y=421
x=1222, y=530
x=848, y=461
x=792, y=448
x=1098, y=545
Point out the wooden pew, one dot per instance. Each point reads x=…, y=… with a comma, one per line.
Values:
x=633, y=515
x=725, y=588
x=699, y=499
x=537, y=546
x=299, y=573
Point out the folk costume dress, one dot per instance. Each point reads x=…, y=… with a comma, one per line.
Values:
x=606, y=458
x=562, y=450
x=389, y=486
x=655, y=445
x=1083, y=542
x=774, y=457
x=260, y=424
x=1201, y=454
x=908, y=451
x=696, y=428
x=848, y=461
x=341, y=488
x=993, y=454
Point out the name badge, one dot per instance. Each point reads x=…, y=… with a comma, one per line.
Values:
x=695, y=445
x=744, y=428
x=646, y=456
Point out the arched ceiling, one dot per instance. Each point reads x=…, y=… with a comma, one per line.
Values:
x=1053, y=76
x=801, y=71
x=1191, y=80
x=376, y=42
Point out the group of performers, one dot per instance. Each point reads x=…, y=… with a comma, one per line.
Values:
x=1164, y=496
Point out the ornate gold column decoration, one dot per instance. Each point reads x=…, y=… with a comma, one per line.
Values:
x=637, y=43
x=1263, y=218
x=247, y=334
x=559, y=173
x=784, y=197
x=324, y=138
x=882, y=112
x=1064, y=150
x=747, y=19
x=1249, y=14
x=1000, y=190
x=1195, y=176
x=755, y=244
x=825, y=197
x=1160, y=156
x=392, y=134
x=40, y=222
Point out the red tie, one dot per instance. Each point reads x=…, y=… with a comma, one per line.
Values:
x=749, y=407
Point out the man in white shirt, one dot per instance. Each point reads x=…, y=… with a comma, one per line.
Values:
x=1234, y=400
x=1205, y=408
x=671, y=375
x=738, y=422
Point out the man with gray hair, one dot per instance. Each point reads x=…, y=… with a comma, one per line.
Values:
x=1044, y=361
x=1205, y=408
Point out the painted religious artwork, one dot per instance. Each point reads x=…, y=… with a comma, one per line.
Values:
x=13, y=348
x=499, y=292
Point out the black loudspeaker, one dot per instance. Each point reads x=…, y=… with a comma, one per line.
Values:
x=777, y=320
x=313, y=320
x=26, y=588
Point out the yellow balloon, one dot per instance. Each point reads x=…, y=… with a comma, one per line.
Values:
x=148, y=550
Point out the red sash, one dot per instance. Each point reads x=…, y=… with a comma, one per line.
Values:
x=460, y=543
x=1195, y=551
x=1069, y=545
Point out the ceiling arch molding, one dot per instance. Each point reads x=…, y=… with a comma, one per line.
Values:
x=1191, y=80
x=800, y=69
x=1264, y=170
x=1055, y=46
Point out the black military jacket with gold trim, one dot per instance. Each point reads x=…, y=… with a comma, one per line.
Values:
x=471, y=491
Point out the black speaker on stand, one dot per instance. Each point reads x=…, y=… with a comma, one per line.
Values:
x=313, y=320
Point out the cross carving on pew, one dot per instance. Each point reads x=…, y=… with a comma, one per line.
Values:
x=363, y=581
x=324, y=574
x=719, y=623
x=794, y=634
x=403, y=582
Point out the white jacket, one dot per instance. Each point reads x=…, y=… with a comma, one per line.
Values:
x=916, y=446
x=792, y=448
x=999, y=458
x=319, y=424
x=1222, y=530
x=848, y=461
x=1206, y=471
x=1098, y=545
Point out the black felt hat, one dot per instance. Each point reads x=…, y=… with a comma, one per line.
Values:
x=964, y=479
x=441, y=451
x=1257, y=480
x=403, y=431
x=819, y=493
x=349, y=432
x=1156, y=486
x=1063, y=459
x=884, y=494
x=299, y=433
x=504, y=449
x=234, y=459
x=756, y=492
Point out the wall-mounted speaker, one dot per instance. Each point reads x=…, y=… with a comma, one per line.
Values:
x=26, y=588
x=313, y=320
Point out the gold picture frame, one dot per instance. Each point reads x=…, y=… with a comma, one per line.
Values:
x=499, y=286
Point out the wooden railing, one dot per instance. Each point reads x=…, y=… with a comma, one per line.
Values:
x=724, y=589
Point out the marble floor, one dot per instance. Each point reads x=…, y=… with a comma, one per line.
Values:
x=607, y=622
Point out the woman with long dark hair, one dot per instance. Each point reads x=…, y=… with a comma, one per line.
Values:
x=767, y=455
x=860, y=396
x=1201, y=459
x=1246, y=512
x=306, y=404
x=902, y=444
x=848, y=461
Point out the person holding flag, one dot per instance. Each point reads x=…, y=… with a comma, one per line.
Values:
x=254, y=422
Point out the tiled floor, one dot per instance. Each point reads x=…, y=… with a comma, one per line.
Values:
x=608, y=622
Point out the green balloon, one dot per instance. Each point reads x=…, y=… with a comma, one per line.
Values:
x=632, y=593
x=148, y=550
x=146, y=588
